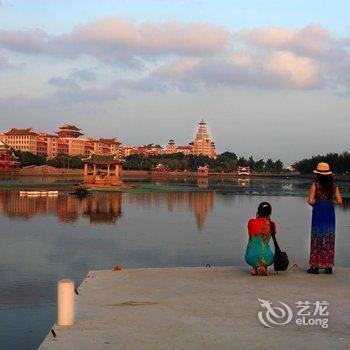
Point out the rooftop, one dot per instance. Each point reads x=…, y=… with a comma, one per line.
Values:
x=69, y=127
x=107, y=158
x=110, y=141
x=15, y=131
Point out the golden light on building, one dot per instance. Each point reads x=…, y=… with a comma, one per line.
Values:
x=203, y=144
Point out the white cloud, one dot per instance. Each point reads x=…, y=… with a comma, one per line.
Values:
x=114, y=39
x=312, y=40
x=295, y=71
x=185, y=55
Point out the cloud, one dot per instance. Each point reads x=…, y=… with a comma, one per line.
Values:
x=61, y=82
x=295, y=71
x=186, y=55
x=4, y=63
x=312, y=40
x=116, y=39
x=94, y=94
x=85, y=75
x=30, y=41
x=277, y=70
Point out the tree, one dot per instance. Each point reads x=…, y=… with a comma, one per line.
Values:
x=259, y=165
x=278, y=165
x=269, y=165
x=28, y=158
x=340, y=163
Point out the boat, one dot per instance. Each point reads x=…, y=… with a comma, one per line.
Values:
x=38, y=193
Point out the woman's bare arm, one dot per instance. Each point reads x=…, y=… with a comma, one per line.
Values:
x=337, y=197
x=311, y=199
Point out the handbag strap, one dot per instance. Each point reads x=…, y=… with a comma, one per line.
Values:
x=277, y=248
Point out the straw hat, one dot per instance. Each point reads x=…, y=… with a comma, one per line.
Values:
x=323, y=169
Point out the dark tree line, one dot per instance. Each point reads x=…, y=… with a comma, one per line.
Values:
x=339, y=162
x=225, y=162
x=61, y=161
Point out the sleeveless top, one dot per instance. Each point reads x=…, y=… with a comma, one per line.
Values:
x=321, y=193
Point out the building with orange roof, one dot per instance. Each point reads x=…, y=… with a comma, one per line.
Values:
x=24, y=140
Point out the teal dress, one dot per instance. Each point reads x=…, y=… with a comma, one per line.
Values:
x=258, y=250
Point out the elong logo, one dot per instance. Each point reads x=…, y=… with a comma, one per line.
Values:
x=308, y=313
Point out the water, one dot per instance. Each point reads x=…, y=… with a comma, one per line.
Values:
x=45, y=239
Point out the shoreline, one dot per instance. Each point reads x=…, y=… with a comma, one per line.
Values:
x=145, y=174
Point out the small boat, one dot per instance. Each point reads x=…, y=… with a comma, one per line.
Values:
x=38, y=193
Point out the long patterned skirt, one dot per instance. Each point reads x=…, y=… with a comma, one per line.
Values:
x=322, y=234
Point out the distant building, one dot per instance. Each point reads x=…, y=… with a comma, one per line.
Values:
x=3, y=147
x=129, y=150
x=2, y=136
x=143, y=150
x=202, y=144
x=72, y=137
x=9, y=163
x=68, y=131
x=67, y=141
x=159, y=168
x=154, y=150
x=244, y=171
x=24, y=140
x=186, y=150
x=112, y=144
x=203, y=170
x=172, y=148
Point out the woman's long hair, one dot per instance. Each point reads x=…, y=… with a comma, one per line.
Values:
x=327, y=184
x=264, y=210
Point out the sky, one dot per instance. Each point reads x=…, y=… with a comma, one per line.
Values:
x=270, y=77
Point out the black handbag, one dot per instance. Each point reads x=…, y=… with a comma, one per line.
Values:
x=280, y=260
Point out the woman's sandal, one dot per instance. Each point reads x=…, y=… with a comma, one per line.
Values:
x=254, y=271
x=263, y=271
x=328, y=270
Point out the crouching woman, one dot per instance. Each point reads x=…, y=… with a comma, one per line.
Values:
x=258, y=253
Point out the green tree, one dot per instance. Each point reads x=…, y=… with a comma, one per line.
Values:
x=28, y=158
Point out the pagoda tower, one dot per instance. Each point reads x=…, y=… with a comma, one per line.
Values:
x=203, y=145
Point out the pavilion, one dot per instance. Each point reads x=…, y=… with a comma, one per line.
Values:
x=103, y=169
x=9, y=163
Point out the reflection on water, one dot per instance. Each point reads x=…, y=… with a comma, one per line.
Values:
x=44, y=239
x=102, y=208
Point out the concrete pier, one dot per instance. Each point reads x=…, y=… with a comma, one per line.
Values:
x=203, y=308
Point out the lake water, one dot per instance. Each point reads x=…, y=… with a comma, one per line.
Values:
x=45, y=239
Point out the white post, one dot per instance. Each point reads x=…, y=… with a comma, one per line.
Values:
x=65, y=302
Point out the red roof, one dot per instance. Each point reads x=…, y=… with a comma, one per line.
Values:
x=69, y=127
x=110, y=141
x=15, y=131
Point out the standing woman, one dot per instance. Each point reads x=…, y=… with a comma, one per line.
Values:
x=324, y=193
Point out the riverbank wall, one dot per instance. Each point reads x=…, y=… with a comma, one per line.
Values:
x=45, y=170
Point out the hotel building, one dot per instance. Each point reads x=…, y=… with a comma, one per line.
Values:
x=68, y=141
x=24, y=140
